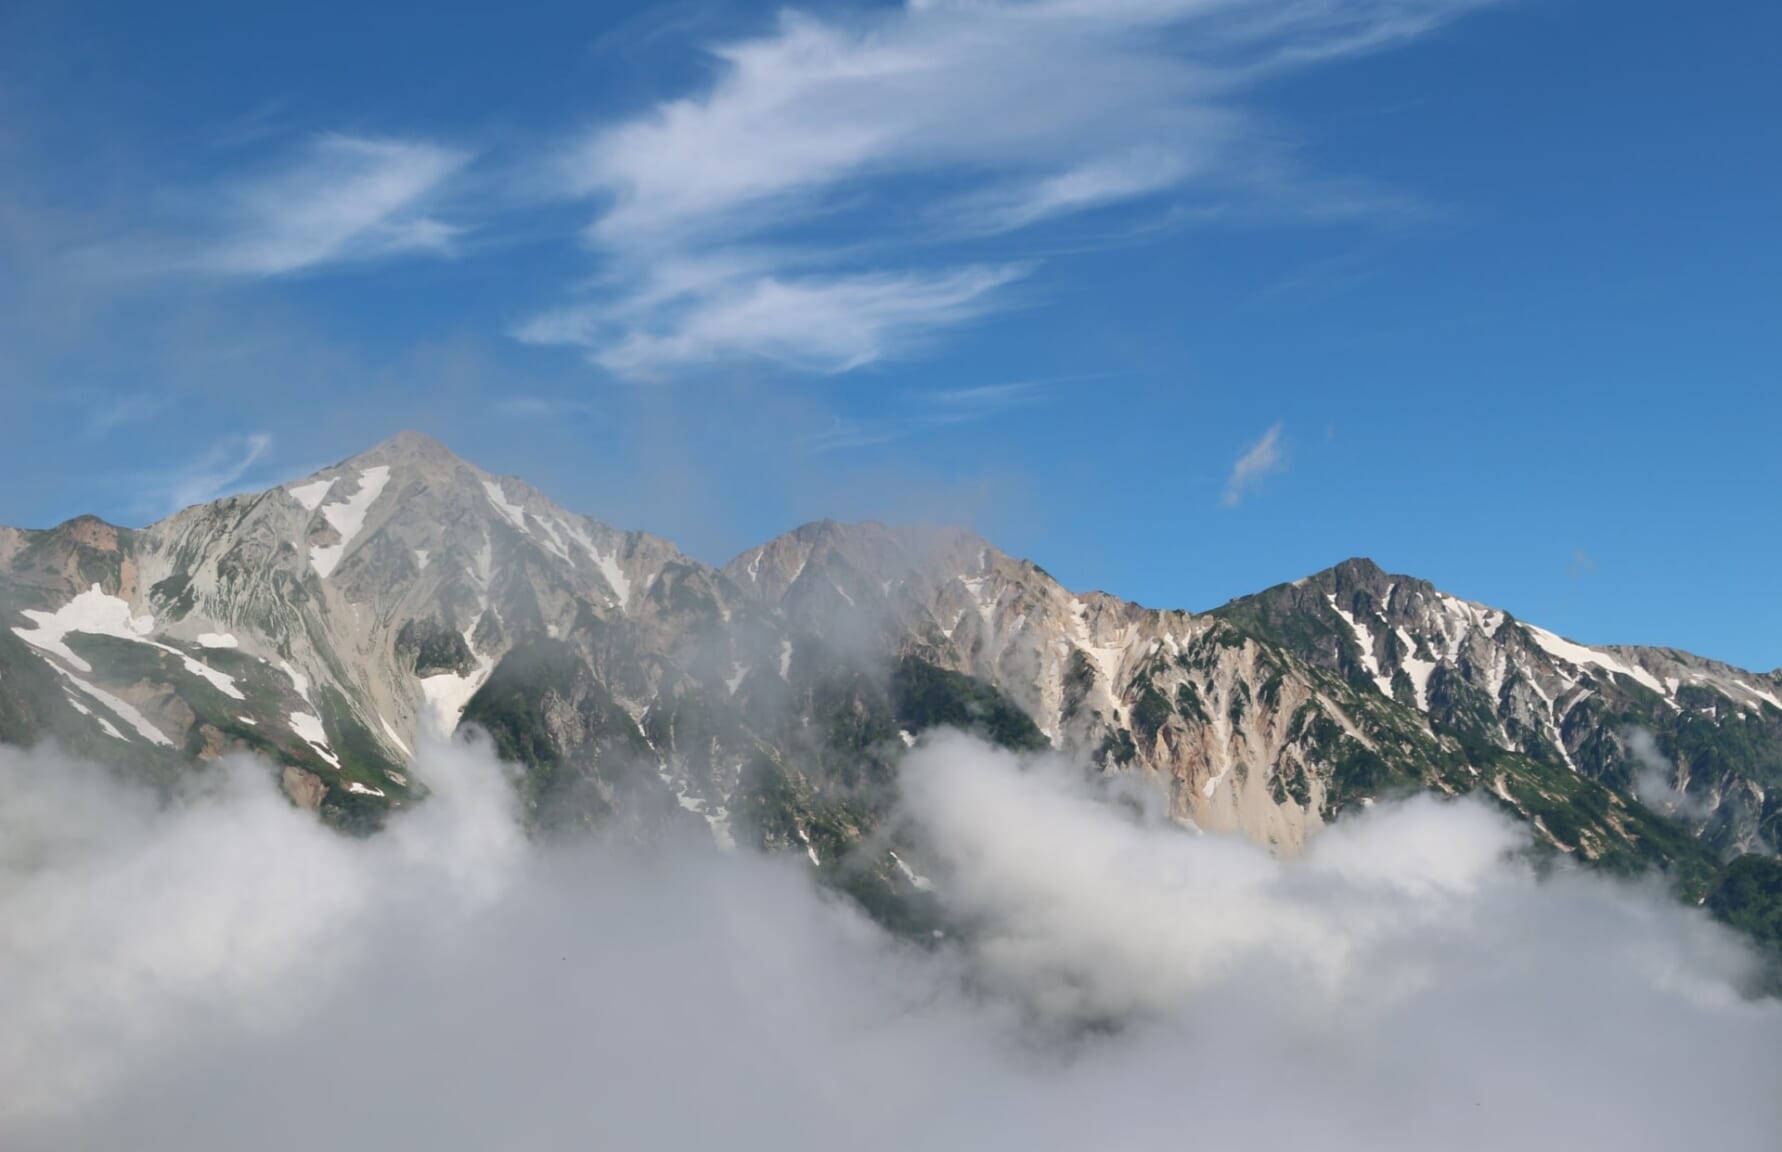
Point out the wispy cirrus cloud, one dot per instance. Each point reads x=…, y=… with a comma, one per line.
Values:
x=337, y=199
x=927, y=412
x=824, y=323
x=1094, y=184
x=913, y=131
x=1263, y=458
x=530, y=407
x=226, y=466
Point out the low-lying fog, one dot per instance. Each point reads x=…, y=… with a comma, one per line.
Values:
x=225, y=973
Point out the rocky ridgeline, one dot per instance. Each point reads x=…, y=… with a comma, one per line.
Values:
x=330, y=624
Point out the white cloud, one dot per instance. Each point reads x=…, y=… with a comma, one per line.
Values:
x=127, y=921
x=188, y=974
x=340, y=199
x=918, y=126
x=1109, y=180
x=215, y=473
x=816, y=323
x=952, y=405
x=1259, y=460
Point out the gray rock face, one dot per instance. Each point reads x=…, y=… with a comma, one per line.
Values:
x=327, y=623
x=1497, y=683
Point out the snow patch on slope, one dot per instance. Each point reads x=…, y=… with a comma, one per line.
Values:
x=446, y=694
x=1553, y=719
x=299, y=681
x=221, y=681
x=615, y=575
x=1418, y=670
x=105, y=725
x=96, y=614
x=1767, y=697
x=310, y=495
x=121, y=708
x=1365, y=637
x=512, y=513
x=555, y=545
x=347, y=518
x=310, y=729
x=92, y=612
x=1580, y=656
x=607, y=564
x=394, y=738
x=1107, y=659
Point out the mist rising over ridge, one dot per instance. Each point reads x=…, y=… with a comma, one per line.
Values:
x=328, y=622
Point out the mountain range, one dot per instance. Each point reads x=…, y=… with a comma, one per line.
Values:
x=330, y=624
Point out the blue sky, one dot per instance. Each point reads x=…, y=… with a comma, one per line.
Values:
x=1180, y=298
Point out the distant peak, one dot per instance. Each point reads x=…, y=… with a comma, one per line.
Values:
x=406, y=451
x=1360, y=566
x=413, y=444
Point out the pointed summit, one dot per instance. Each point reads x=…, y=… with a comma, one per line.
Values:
x=409, y=447
x=412, y=443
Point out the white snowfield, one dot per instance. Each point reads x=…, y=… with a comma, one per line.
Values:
x=1767, y=697
x=347, y=518
x=97, y=614
x=1365, y=637
x=608, y=564
x=1418, y=670
x=395, y=738
x=299, y=682
x=446, y=693
x=310, y=729
x=312, y=494
x=1580, y=656
x=92, y=612
x=124, y=710
x=512, y=513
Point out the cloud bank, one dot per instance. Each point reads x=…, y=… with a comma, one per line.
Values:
x=219, y=972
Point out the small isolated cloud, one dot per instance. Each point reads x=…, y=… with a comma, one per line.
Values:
x=339, y=199
x=1660, y=786
x=1656, y=783
x=1259, y=460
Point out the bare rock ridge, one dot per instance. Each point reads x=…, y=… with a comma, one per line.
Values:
x=327, y=623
